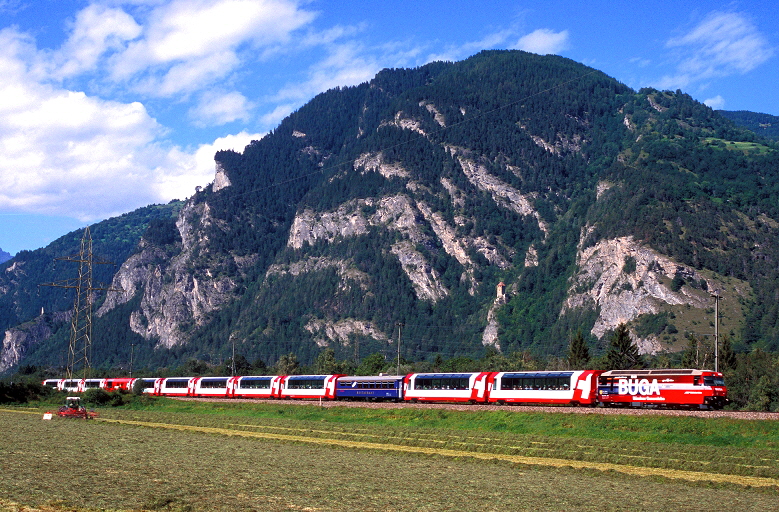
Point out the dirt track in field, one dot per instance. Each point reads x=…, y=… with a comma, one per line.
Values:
x=741, y=415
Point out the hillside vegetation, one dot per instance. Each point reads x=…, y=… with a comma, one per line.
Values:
x=393, y=209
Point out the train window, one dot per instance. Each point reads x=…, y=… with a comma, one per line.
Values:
x=177, y=383
x=306, y=384
x=255, y=384
x=554, y=383
x=434, y=383
x=543, y=382
x=711, y=380
x=212, y=384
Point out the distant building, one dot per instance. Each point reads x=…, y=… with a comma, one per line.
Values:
x=501, y=291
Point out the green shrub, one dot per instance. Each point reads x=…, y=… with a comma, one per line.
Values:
x=138, y=387
x=21, y=392
x=96, y=396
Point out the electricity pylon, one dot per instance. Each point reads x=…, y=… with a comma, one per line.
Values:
x=80, y=346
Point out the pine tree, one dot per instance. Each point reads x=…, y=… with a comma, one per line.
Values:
x=287, y=364
x=727, y=358
x=326, y=362
x=623, y=352
x=578, y=353
x=691, y=354
x=761, y=395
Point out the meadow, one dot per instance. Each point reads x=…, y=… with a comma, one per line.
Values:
x=252, y=456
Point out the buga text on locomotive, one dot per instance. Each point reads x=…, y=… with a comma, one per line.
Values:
x=638, y=387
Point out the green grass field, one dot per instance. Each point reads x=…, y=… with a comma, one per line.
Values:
x=202, y=456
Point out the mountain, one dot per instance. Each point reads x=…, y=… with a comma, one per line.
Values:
x=4, y=256
x=764, y=125
x=37, y=318
x=503, y=202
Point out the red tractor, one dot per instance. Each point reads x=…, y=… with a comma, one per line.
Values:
x=74, y=409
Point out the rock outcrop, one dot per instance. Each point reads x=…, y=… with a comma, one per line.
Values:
x=623, y=280
x=18, y=340
x=176, y=291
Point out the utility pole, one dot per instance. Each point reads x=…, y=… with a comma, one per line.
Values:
x=717, y=298
x=80, y=346
x=400, y=326
x=232, y=338
x=132, y=350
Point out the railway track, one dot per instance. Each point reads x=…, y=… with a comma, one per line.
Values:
x=741, y=415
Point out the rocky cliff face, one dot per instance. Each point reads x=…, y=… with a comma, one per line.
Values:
x=624, y=280
x=17, y=341
x=177, y=290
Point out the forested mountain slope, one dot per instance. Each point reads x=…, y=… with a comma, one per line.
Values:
x=401, y=204
x=765, y=125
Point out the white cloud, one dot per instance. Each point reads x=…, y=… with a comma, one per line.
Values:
x=96, y=31
x=220, y=108
x=544, y=41
x=65, y=152
x=187, y=77
x=717, y=102
x=189, y=44
x=723, y=44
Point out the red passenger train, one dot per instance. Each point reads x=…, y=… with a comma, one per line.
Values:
x=617, y=388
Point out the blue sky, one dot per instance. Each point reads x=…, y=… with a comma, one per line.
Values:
x=106, y=106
